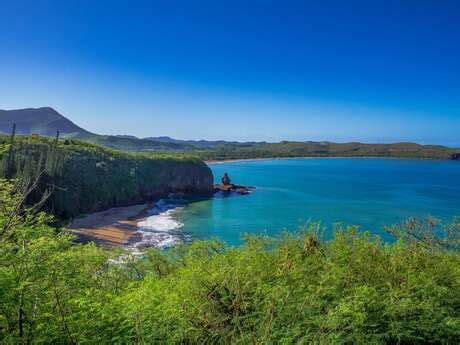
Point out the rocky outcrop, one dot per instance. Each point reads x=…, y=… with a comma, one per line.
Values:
x=456, y=156
x=227, y=187
x=233, y=188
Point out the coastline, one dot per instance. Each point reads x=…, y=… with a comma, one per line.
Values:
x=224, y=161
x=116, y=226
x=119, y=226
x=214, y=162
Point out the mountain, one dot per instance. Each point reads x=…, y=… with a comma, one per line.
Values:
x=46, y=121
x=43, y=121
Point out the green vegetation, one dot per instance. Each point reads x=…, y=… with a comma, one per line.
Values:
x=325, y=149
x=296, y=289
x=46, y=121
x=86, y=177
x=284, y=149
x=133, y=144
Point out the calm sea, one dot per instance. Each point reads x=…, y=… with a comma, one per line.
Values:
x=370, y=193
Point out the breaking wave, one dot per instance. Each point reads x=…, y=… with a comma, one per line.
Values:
x=160, y=228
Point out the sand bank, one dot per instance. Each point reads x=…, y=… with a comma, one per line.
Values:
x=114, y=227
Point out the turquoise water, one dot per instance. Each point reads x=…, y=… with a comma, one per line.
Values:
x=366, y=192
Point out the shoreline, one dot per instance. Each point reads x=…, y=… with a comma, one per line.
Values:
x=216, y=162
x=118, y=226
x=114, y=227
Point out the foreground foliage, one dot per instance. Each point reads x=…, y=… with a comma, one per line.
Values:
x=353, y=289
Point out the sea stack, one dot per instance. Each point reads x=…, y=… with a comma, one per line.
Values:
x=227, y=187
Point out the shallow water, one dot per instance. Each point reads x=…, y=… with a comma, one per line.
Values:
x=365, y=192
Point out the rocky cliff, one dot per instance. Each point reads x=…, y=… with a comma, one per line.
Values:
x=121, y=183
x=105, y=183
x=88, y=178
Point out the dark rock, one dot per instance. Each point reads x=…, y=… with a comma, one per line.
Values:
x=232, y=188
x=226, y=180
x=456, y=156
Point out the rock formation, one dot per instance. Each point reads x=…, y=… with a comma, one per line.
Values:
x=227, y=187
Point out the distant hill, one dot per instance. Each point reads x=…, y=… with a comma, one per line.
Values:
x=46, y=121
x=43, y=121
x=286, y=149
x=199, y=144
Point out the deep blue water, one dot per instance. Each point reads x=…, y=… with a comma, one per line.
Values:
x=365, y=192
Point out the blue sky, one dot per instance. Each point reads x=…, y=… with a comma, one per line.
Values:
x=373, y=71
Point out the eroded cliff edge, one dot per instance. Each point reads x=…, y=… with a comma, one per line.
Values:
x=121, y=182
x=88, y=178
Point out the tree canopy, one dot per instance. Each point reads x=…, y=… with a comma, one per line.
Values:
x=296, y=288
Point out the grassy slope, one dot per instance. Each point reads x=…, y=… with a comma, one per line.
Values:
x=89, y=177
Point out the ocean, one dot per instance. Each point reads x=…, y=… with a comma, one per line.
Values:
x=290, y=193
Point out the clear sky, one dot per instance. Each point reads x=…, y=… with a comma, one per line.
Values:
x=373, y=71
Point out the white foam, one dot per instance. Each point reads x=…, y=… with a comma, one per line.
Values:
x=160, y=229
x=160, y=222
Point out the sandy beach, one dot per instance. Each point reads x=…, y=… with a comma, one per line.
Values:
x=114, y=227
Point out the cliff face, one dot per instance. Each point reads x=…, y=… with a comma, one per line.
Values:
x=192, y=179
x=89, y=178
x=98, y=184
